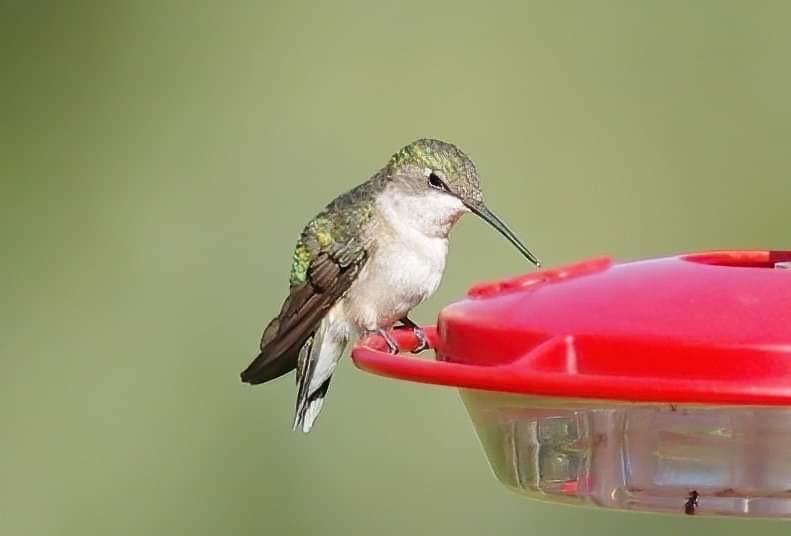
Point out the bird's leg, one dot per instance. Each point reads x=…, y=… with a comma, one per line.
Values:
x=422, y=340
x=391, y=344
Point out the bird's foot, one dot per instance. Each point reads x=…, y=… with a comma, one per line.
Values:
x=420, y=335
x=422, y=340
x=392, y=347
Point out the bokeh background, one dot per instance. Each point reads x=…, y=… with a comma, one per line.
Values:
x=158, y=160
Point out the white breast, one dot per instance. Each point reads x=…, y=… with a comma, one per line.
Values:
x=407, y=264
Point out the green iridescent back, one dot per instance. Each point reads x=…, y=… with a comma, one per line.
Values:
x=336, y=230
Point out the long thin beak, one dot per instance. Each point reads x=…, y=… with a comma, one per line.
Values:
x=498, y=224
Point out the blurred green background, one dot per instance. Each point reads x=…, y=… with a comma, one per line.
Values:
x=158, y=160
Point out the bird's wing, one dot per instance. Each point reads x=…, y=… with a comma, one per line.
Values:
x=322, y=272
x=328, y=279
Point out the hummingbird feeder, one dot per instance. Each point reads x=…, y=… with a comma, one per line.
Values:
x=661, y=385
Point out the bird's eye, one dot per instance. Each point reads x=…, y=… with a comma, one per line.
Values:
x=435, y=182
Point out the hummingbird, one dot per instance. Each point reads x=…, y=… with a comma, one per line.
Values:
x=363, y=263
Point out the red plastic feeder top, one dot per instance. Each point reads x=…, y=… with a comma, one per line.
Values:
x=709, y=328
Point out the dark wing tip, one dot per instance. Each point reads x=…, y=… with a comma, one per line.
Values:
x=264, y=369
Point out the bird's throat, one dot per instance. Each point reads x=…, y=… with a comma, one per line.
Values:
x=432, y=214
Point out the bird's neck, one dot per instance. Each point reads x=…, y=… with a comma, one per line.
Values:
x=432, y=215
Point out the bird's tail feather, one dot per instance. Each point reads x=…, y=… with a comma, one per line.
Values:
x=316, y=364
x=308, y=412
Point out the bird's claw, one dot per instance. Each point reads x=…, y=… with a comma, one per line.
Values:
x=422, y=340
x=392, y=347
x=420, y=335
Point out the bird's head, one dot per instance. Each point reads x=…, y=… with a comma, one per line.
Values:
x=435, y=183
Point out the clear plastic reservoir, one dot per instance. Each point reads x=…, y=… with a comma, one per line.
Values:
x=693, y=459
